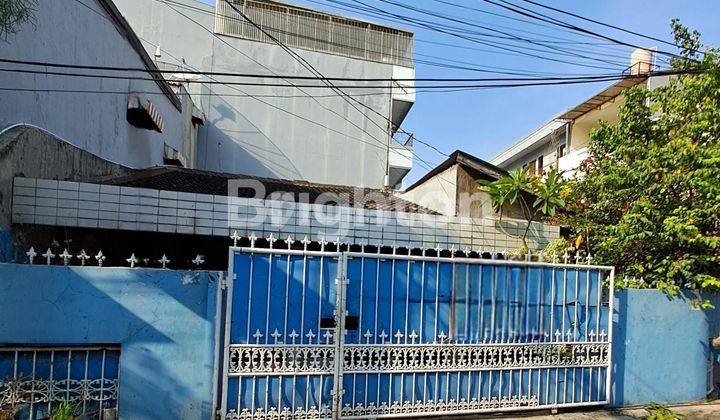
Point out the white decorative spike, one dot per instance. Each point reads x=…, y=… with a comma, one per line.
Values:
x=589, y=258
x=276, y=335
x=100, y=258
x=528, y=256
x=602, y=335
x=66, y=256
x=132, y=260
x=48, y=256
x=442, y=337
x=271, y=240
x=592, y=335
x=467, y=251
x=554, y=257
x=541, y=256
x=31, y=254
x=310, y=336
x=568, y=334
x=257, y=336
x=199, y=260
x=306, y=242
x=413, y=336
x=438, y=249
x=452, y=251
x=164, y=261
x=235, y=238
x=252, y=238
x=327, y=336
x=399, y=336
x=557, y=334
x=293, y=336
x=289, y=241
x=383, y=336
x=82, y=256
x=322, y=243
x=577, y=257
x=566, y=257
x=368, y=335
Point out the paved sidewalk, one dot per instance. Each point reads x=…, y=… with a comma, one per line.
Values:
x=701, y=411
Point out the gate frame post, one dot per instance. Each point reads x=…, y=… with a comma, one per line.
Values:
x=340, y=313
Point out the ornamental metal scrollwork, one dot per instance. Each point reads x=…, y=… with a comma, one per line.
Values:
x=16, y=391
x=440, y=406
x=362, y=358
x=457, y=357
x=281, y=359
x=273, y=413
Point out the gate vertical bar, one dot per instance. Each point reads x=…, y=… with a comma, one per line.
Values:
x=340, y=313
x=226, y=341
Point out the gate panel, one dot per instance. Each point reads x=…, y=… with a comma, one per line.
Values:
x=280, y=350
x=357, y=335
x=443, y=336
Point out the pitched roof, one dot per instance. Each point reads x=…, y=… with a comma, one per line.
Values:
x=477, y=167
x=126, y=31
x=173, y=178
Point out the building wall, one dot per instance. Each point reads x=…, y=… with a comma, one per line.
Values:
x=67, y=32
x=438, y=193
x=324, y=142
x=547, y=148
x=163, y=321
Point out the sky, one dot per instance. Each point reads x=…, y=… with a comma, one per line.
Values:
x=484, y=122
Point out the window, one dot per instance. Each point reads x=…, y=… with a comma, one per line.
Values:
x=539, y=170
x=85, y=376
x=532, y=167
x=561, y=151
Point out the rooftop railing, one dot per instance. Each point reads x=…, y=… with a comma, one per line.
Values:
x=315, y=31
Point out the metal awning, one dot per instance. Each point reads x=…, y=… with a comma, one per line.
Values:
x=143, y=114
x=600, y=98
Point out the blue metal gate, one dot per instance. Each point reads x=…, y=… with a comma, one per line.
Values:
x=316, y=334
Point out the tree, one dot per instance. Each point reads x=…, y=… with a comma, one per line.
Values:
x=535, y=196
x=14, y=13
x=649, y=193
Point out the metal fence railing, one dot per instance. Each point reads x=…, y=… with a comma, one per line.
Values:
x=315, y=31
x=36, y=381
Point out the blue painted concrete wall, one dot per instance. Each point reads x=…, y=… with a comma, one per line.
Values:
x=162, y=319
x=660, y=349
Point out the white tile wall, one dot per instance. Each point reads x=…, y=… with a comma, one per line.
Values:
x=73, y=204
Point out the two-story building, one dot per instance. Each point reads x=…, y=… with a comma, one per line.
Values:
x=562, y=142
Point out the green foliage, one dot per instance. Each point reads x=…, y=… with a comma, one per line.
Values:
x=558, y=248
x=64, y=411
x=536, y=196
x=650, y=193
x=14, y=13
x=660, y=412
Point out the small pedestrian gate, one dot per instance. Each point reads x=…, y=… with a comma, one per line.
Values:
x=318, y=334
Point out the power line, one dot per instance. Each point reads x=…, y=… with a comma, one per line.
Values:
x=565, y=12
x=507, y=35
x=539, y=16
x=275, y=76
x=434, y=27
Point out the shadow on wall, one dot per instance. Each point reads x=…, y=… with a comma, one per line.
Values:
x=162, y=319
x=235, y=144
x=660, y=349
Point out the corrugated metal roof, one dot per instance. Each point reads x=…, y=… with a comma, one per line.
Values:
x=174, y=178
